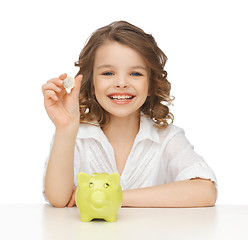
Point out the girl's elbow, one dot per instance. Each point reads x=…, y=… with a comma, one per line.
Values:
x=59, y=205
x=211, y=194
x=57, y=202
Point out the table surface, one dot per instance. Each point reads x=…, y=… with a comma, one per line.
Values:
x=42, y=221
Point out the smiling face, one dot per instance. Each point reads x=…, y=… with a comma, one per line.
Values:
x=120, y=78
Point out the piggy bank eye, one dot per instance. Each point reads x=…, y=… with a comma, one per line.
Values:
x=106, y=185
x=91, y=184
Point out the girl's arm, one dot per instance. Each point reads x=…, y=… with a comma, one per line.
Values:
x=59, y=179
x=188, y=193
x=63, y=110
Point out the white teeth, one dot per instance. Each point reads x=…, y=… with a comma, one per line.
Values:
x=121, y=97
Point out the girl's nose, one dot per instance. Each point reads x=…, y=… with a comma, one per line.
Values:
x=121, y=81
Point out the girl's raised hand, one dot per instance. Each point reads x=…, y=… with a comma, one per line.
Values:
x=62, y=108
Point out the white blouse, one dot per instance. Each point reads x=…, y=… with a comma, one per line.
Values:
x=158, y=156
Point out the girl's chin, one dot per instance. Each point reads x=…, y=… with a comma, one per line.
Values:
x=123, y=114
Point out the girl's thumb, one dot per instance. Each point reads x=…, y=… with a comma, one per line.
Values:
x=77, y=86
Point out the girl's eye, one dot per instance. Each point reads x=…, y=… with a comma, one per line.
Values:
x=107, y=73
x=136, y=74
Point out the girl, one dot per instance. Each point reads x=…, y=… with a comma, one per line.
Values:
x=116, y=119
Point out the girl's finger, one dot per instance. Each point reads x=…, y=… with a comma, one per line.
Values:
x=63, y=76
x=77, y=87
x=50, y=94
x=72, y=201
x=55, y=85
x=56, y=81
x=51, y=86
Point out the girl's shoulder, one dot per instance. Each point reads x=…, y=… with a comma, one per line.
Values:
x=166, y=134
x=159, y=135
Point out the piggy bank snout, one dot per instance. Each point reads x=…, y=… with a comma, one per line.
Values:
x=98, y=199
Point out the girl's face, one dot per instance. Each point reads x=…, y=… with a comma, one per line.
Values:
x=120, y=78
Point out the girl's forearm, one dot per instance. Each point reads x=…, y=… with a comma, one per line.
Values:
x=188, y=193
x=59, y=179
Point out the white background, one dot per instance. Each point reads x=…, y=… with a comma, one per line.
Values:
x=206, y=45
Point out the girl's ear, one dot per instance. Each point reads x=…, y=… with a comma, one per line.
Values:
x=149, y=93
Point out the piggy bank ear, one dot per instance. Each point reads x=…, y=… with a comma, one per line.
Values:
x=82, y=177
x=115, y=178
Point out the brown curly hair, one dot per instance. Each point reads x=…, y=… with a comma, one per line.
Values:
x=156, y=104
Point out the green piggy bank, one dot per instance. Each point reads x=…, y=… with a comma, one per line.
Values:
x=98, y=195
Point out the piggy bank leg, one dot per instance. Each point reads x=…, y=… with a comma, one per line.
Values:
x=85, y=218
x=111, y=218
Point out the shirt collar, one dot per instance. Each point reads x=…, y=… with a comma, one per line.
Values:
x=146, y=131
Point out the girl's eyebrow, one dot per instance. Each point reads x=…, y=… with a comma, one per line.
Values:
x=104, y=65
x=139, y=67
x=133, y=67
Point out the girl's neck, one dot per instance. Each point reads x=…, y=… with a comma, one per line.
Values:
x=124, y=129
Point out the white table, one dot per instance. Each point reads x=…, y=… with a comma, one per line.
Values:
x=41, y=221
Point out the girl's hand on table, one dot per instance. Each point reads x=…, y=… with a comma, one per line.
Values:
x=72, y=200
